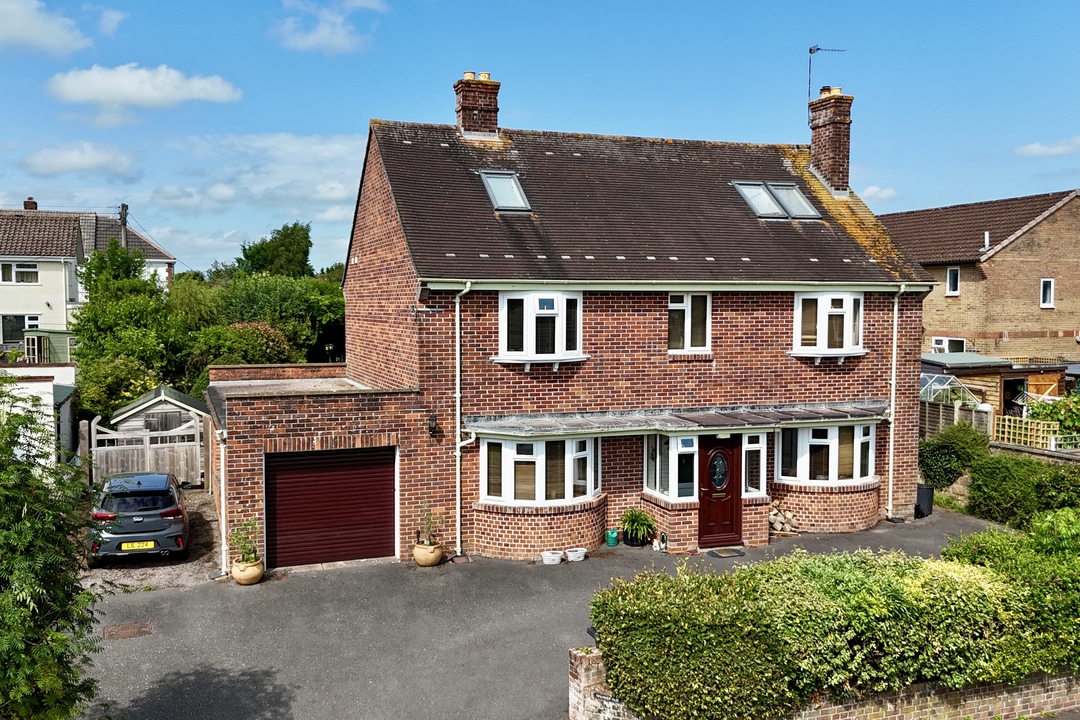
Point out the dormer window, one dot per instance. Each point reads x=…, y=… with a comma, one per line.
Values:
x=780, y=201
x=504, y=190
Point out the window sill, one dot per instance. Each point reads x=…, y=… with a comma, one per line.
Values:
x=529, y=361
x=500, y=507
x=829, y=486
x=840, y=355
x=666, y=501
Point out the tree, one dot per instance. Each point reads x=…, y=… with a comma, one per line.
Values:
x=46, y=617
x=335, y=273
x=298, y=307
x=285, y=252
x=245, y=343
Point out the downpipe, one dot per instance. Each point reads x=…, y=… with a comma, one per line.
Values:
x=221, y=435
x=458, y=443
x=891, y=414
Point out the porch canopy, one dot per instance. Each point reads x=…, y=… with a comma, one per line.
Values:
x=688, y=421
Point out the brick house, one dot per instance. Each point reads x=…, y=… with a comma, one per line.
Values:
x=544, y=329
x=1007, y=271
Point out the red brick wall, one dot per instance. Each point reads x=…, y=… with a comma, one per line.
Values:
x=522, y=533
x=302, y=371
x=829, y=508
x=380, y=289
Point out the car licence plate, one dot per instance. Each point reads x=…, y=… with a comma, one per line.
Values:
x=143, y=545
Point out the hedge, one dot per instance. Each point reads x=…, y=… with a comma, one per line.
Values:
x=761, y=640
x=1010, y=489
x=943, y=458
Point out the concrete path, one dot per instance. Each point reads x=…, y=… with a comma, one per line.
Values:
x=382, y=639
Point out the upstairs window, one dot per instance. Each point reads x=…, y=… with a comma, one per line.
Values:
x=19, y=273
x=1046, y=293
x=952, y=282
x=781, y=201
x=688, y=322
x=947, y=344
x=828, y=324
x=536, y=326
x=504, y=189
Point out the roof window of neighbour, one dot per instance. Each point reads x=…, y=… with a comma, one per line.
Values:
x=782, y=201
x=504, y=189
x=828, y=325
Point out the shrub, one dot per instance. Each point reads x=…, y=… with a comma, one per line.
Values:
x=1059, y=486
x=966, y=441
x=1056, y=531
x=939, y=465
x=1004, y=488
x=1065, y=411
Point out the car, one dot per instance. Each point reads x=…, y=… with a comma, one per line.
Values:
x=138, y=514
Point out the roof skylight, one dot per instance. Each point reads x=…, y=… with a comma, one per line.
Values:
x=504, y=190
x=777, y=200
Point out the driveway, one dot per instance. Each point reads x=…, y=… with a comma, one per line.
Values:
x=382, y=639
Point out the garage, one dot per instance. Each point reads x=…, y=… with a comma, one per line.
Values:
x=329, y=506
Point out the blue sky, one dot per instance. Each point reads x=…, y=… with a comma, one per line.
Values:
x=217, y=122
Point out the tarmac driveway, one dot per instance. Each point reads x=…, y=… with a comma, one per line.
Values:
x=382, y=639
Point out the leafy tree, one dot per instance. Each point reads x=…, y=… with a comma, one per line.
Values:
x=1065, y=411
x=285, y=252
x=335, y=273
x=220, y=272
x=298, y=307
x=246, y=343
x=46, y=616
x=194, y=275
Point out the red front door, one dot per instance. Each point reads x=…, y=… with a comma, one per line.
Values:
x=719, y=492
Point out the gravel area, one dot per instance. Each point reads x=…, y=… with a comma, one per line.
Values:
x=149, y=572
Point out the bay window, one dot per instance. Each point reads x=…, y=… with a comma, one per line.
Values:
x=826, y=454
x=671, y=466
x=539, y=472
x=828, y=324
x=539, y=326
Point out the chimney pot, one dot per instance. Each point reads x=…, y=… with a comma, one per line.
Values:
x=29, y=204
x=830, y=137
x=477, y=103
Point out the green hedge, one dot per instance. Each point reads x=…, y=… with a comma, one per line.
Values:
x=1010, y=489
x=943, y=458
x=761, y=640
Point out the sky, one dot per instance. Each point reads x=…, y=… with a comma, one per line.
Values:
x=217, y=122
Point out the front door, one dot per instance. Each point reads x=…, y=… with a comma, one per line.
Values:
x=719, y=492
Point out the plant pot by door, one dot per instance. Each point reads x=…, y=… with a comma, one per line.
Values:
x=247, y=573
x=634, y=540
x=427, y=555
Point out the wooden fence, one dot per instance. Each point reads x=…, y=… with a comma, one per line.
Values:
x=177, y=451
x=935, y=417
x=1024, y=431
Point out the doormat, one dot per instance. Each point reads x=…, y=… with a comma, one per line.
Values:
x=725, y=553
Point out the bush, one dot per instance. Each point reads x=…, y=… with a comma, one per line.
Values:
x=1005, y=489
x=1059, y=486
x=1056, y=532
x=939, y=465
x=966, y=442
x=762, y=640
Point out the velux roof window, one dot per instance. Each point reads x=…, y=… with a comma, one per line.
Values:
x=504, y=190
x=783, y=201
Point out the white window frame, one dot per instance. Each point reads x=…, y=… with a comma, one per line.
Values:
x=852, y=309
x=940, y=344
x=535, y=305
x=777, y=201
x=685, y=303
x=952, y=281
x=661, y=454
x=12, y=269
x=511, y=456
x=754, y=442
x=490, y=177
x=864, y=434
x=1046, y=293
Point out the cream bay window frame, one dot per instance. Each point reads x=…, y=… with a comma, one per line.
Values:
x=826, y=454
x=539, y=472
x=828, y=324
x=540, y=327
x=670, y=466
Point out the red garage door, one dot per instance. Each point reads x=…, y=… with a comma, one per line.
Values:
x=329, y=506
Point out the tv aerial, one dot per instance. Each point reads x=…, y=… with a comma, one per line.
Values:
x=814, y=49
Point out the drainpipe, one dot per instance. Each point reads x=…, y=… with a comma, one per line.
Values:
x=221, y=491
x=892, y=397
x=458, y=444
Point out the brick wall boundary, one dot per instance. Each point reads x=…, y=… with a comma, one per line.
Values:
x=591, y=698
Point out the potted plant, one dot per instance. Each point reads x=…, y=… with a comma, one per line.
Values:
x=428, y=551
x=247, y=568
x=638, y=527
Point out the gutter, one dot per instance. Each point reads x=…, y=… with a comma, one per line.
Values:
x=458, y=443
x=891, y=412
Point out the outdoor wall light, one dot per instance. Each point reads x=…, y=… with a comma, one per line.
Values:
x=432, y=424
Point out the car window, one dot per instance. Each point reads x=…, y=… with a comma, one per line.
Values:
x=134, y=502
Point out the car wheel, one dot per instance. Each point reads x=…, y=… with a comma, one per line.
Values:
x=92, y=562
x=182, y=555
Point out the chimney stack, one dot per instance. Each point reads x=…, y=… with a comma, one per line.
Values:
x=477, y=103
x=29, y=204
x=830, y=137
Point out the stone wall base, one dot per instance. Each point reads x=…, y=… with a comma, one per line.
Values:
x=591, y=698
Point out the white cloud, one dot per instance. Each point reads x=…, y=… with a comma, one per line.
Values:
x=114, y=90
x=873, y=193
x=79, y=157
x=325, y=28
x=336, y=213
x=109, y=21
x=26, y=23
x=1062, y=147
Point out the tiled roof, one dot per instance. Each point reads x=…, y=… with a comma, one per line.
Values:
x=47, y=233
x=955, y=234
x=608, y=208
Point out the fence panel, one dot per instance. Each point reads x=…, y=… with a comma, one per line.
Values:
x=178, y=451
x=935, y=417
x=1024, y=431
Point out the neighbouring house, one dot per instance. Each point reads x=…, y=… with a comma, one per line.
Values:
x=545, y=329
x=54, y=383
x=40, y=252
x=1004, y=385
x=1007, y=272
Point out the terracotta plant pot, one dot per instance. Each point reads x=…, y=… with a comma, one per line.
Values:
x=427, y=555
x=247, y=573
